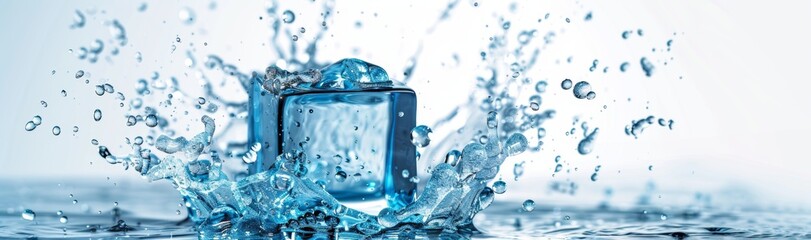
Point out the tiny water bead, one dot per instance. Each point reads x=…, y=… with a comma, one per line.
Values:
x=535, y=102
x=528, y=205
x=186, y=16
x=64, y=93
x=131, y=120
x=647, y=66
x=97, y=115
x=43, y=103
x=79, y=74
x=419, y=136
x=63, y=219
x=288, y=16
x=499, y=187
x=566, y=84
x=56, y=130
x=515, y=144
x=540, y=87
x=75, y=128
x=37, y=120
x=405, y=173
x=453, y=157
x=594, y=177
x=29, y=215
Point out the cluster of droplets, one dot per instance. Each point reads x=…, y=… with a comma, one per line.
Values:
x=637, y=126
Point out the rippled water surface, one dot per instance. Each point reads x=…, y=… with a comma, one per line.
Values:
x=149, y=212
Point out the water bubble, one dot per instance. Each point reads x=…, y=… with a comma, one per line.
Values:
x=97, y=115
x=647, y=66
x=99, y=90
x=581, y=89
x=591, y=95
x=515, y=144
x=419, y=136
x=566, y=84
x=295, y=38
x=59, y=213
x=56, y=130
x=288, y=16
x=63, y=219
x=541, y=132
x=79, y=74
x=540, y=87
x=594, y=177
x=29, y=215
x=151, y=120
x=64, y=93
x=30, y=126
x=406, y=173
x=586, y=145
x=131, y=120
x=302, y=30
x=340, y=176
x=75, y=128
x=186, y=16
x=499, y=187
x=201, y=100
x=528, y=205
x=558, y=167
x=506, y=25
x=535, y=102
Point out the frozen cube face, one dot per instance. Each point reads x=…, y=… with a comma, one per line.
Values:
x=358, y=142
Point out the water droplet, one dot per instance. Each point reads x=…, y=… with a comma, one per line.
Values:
x=566, y=84
x=75, y=128
x=568, y=20
x=75, y=201
x=56, y=130
x=499, y=187
x=541, y=133
x=647, y=66
x=29, y=215
x=506, y=25
x=30, y=126
x=97, y=115
x=151, y=120
x=663, y=217
x=201, y=100
x=591, y=95
x=453, y=157
x=567, y=218
x=419, y=136
x=288, y=16
x=138, y=57
x=63, y=219
x=295, y=38
x=586, y=145
x=99, y=90
x=340, y=176
x=581, y=89
x=540, y=87
x=302, y=30
x=131, y=120
x=406, y=174
x=400, y=114
x=535, y=103
x=558, y=167
x=515, y=144
x=594, y=177
x=186, y=16
x=79, y=74
x=528, y=205
x=64, y=93
x=650, y=167
x=37, y=120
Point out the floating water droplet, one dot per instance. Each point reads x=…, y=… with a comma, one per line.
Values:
x=581, y=89
x=131, y=120
x=151, y=120
x=647, y=66
x=594, y=177
x=506, y=25
x=43, y=103
x=138, y=57
x=566, y=84
x=78, y=19
x=64, y=93
x=201, y=100
x=515, y=144
x=118, y=32
x=63, y=219
x=59, y=213
x=29, y=215
x=541, y=133
x=535, y=103
x=453, y=157
x=97, y=115
x=75, y=128
x=528, y=205
x=591, y=95
x=302, y=30
x=186, y=16
x=558, y=167
x=79, y=74
x=340, y=176
x=540, y=87
x=56, y=130
x=400, y=114
x=499, y=187
x=567, y=218
x=295, y=38
x=518, y=170
x=586, y=145
x=288, y=16
x=405, y=173
x=663, y=217
x=650, y=167
x=99, y=90
x=419, y=136
x=30, y=126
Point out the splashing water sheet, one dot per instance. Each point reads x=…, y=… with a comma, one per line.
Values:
x=342, y=120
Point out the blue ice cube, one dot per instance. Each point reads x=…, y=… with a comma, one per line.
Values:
x=352, y=126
